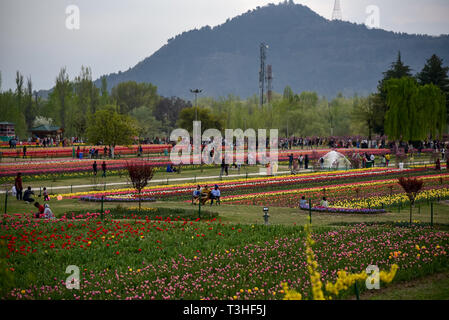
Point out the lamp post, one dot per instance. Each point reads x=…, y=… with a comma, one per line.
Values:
x=265, y=215
x=196, y=92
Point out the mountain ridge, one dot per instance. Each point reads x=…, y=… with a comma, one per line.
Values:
x=307, y=52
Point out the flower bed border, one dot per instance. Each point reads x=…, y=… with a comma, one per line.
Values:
x=343, y=210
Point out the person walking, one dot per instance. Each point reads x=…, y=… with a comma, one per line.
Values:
x=103, y=167
x=45, y=194
x=306, y=162
x=94, y=166
x=290, y=161
x=18, y=185
x=24, y=151
x=224, y=167
x=300, y=160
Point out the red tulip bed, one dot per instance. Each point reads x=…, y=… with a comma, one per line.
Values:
x=165, y=258
x=69, y=166
x=243, y=187
x=60, y=152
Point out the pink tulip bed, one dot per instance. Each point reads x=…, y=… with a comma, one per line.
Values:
x=265, y=185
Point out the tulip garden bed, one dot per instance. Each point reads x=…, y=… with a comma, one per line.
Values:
x=202, y=259
x=144, y=213
x=375, y=194
x=131, y=197
x=245, y=186
x=343, y=210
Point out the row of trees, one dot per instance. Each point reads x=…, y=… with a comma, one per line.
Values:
x=405, y=107
x=71, y=103
x=433, y=73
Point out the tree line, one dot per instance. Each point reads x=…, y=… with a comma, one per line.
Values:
x=405, y=107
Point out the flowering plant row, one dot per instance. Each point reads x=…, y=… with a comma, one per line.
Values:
x=360, y=195
x=239, y=185
x=122, y=198
x=67, y=151
x=342, y=210
x=168, y=259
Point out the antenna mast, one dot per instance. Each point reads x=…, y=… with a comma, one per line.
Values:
x=337, y=14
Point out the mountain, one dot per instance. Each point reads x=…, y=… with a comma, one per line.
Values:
x=307, y=52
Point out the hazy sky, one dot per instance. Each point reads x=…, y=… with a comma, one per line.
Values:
x=116, y=34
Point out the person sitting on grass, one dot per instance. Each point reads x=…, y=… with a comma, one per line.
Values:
x=205, y=194
x=48, y=214
x=303, y=202
x=324, y=203
x=196, y=195
x=27, y=195
x=215, y=195
x=171, y=168
x=40, y=208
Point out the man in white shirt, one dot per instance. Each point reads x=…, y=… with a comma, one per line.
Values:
x=215, y=195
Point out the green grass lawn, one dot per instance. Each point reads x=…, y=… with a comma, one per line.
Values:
x=433, y=287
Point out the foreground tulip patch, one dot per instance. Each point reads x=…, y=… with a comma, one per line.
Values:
x=176, y=258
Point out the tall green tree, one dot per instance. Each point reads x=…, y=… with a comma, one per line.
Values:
x=435, y=73
x=364, y=112
x=87, y=95
x=86, y=100
x=9, y=112
x=104, y=100
x=19, y=91
x=30, y=107
x=107, y=127
x=148, y=126
x=415, y=111
x=208, y=119
x=62, y=93
x=397, y=70
x=130, y=95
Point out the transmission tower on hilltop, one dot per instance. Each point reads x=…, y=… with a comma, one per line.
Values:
x=337, y=15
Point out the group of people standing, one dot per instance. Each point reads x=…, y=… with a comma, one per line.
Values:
x=299, y=163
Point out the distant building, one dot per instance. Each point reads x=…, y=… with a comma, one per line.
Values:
x=45, y=131
x=7, y=131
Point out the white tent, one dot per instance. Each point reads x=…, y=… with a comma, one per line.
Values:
x=336, y=160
